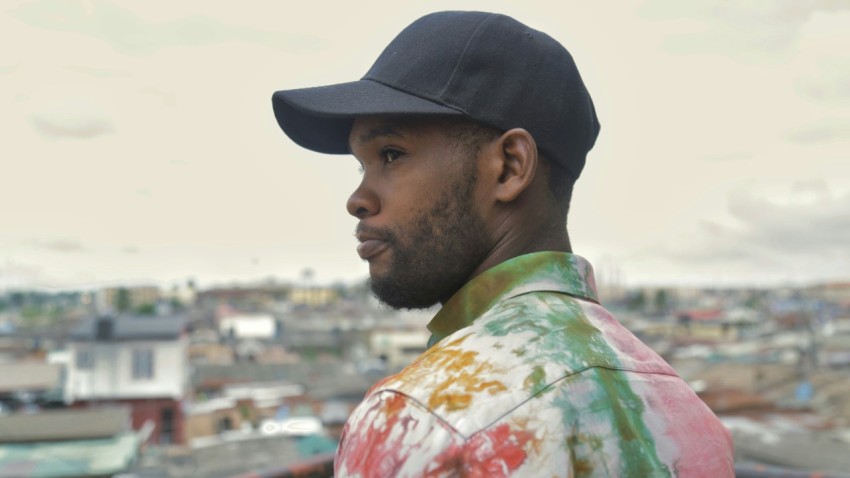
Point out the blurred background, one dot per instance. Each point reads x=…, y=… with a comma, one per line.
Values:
x=179, y=287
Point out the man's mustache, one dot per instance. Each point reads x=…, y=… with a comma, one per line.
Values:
x=364, y=232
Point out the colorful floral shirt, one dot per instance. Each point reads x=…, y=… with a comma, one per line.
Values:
x=528, y=376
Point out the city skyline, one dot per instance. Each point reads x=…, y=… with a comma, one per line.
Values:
x=140, y=146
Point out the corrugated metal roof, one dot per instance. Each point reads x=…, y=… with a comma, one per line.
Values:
x=65, y=424
x=69, y=459
x=132, y=328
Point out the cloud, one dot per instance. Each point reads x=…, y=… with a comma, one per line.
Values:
x=822, y=59
x=128, y=33
x=754, y=10
x=72, y=117
x=755, y=31
x=730, y=156
x=65, y=128
x=817, y=187
x=8, y=69
x=98, y=72
x=810, y=219
x=823, y=131
x=164, y=97
x=65, y=246
x=799, y=233
x=830, y=84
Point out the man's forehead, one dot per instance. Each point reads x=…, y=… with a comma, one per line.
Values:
x=367, y=128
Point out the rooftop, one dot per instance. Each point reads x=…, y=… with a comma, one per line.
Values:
x=64, y=424
x=28, y=376
x=129, y=328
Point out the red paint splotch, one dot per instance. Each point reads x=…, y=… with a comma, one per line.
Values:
x=494, y=453
x=370, y=452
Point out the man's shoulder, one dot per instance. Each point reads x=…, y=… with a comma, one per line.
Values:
x=516, y=351
x=571, y=334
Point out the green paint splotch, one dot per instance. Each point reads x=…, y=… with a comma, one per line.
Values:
x=535, y=382
x=563, y=335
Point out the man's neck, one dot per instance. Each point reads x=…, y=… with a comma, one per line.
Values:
x=521, y=241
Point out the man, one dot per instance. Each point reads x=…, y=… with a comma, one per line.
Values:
x=471, y=129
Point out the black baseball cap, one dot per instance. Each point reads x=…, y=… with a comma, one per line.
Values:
x=486, y=67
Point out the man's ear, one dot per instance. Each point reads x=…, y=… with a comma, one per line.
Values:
x=518, y=163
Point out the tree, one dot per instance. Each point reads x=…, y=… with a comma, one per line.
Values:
x=146, y=309
x=661, y=301
x=637, y=301
x=18, y=299
x=122, y=300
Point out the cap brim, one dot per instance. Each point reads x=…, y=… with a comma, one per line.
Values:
x=320, y=118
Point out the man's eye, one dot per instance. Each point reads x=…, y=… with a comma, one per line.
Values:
x=389, y=155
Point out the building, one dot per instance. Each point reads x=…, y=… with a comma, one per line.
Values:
x=117, y=299
x=835, y=292
x=69, y=443
x=13, y=346
x=313, y=296
x=29, y=386
x=248, y=326
x=398, y=348
x=244, y=298
x=141, y=362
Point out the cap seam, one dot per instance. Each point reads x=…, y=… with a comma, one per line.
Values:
x=421, y=97
x=463, y=53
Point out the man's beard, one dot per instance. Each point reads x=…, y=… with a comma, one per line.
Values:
x=435, y=254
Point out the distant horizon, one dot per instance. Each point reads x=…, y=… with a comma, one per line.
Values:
x=259, y=282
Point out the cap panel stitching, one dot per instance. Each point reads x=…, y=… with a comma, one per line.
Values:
x=463, y=54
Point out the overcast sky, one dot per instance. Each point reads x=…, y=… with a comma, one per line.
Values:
x=138, y=144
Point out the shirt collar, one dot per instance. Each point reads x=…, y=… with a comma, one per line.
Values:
x=536, y=272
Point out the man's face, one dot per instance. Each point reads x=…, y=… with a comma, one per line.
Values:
x=419, y=227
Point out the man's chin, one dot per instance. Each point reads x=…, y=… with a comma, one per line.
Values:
x=380, y=267
x=392, y=293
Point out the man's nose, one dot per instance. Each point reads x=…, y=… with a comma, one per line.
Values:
x=363, y=202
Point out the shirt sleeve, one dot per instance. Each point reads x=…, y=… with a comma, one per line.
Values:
x=587, y=427
x=392, y=435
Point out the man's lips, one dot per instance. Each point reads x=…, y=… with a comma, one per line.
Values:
x=371, y=247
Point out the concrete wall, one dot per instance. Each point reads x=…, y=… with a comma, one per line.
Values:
x=209, y=424
x=111, y=375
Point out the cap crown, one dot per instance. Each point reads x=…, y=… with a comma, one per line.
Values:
x=498, y=71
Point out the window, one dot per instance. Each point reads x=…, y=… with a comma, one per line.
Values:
x=84, y=359
x=142, y=364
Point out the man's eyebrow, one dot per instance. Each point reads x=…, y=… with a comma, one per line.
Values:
x=379, y=131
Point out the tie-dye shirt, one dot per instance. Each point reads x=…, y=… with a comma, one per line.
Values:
x=528, y=376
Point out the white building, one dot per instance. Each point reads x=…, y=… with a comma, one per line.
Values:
x=398, y=348
x=248, y=326
x=139, y=361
